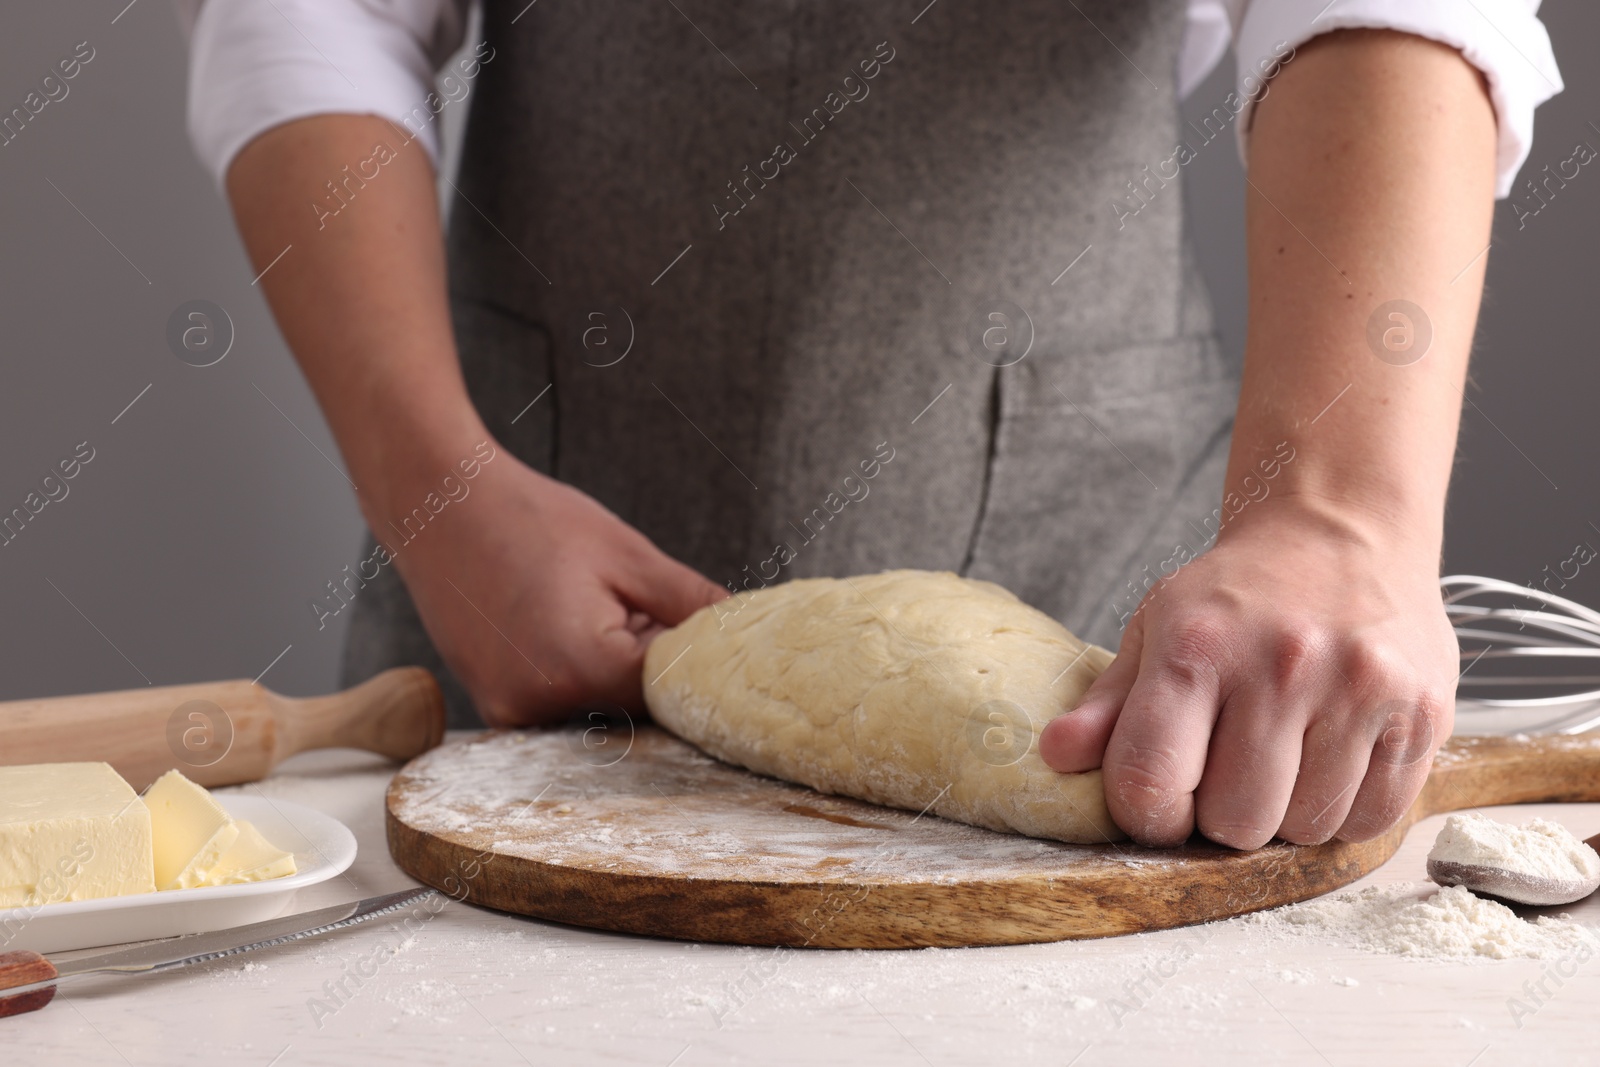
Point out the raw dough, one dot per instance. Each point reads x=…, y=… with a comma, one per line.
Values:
x=913, y=689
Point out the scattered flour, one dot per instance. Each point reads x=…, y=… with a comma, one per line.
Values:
x=1539, y=849
x=1405, y=920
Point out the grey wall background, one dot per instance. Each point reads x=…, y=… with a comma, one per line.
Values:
x=187, y=548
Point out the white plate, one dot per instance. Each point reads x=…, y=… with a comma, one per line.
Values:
x=323, y=848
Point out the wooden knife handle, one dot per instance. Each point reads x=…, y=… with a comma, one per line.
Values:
x=223, y=733
x=25, y=968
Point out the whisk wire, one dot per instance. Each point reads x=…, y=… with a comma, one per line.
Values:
x=1496, y=621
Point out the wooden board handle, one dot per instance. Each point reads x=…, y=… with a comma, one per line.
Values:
x=223, y=733
x=25, y=968
x=1475, y=772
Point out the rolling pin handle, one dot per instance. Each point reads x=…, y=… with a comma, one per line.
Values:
x=399, y=714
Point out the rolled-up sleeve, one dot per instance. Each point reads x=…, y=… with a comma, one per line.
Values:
x=1502, y=38
x=256, y=64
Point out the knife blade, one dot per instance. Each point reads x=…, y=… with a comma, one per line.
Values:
x=174, y=952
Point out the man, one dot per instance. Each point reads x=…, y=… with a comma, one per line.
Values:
x=711, y=263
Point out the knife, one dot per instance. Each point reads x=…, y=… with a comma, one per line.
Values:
x=28, y=980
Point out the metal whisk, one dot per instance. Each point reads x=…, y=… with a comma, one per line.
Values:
x=1516, y=636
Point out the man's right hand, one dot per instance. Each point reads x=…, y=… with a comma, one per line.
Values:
x=538, y=598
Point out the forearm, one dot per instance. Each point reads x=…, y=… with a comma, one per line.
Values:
x=544, y=601
x=1371, y=180
x=360, y=295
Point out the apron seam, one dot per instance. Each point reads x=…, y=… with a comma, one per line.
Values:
x=990, y=450
x=767, y=300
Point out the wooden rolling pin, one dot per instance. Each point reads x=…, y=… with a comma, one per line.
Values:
x=223, y=733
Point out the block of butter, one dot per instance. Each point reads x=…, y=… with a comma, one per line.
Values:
x=77, y=831
x=71, y=831
x=191, y=831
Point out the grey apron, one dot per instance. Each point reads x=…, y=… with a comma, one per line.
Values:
x=824, y=274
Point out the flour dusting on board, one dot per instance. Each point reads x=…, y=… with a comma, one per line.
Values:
x=664, y=808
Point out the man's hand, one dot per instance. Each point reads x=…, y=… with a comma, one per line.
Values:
x=1294, y=681
x=541, y=600
x=1297, y=678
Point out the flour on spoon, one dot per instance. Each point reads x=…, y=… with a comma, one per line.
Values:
x=1538, y=849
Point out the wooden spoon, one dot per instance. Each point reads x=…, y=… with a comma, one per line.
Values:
x=1515, y=886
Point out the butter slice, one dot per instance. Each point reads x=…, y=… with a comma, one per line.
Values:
x=251, y=859
x=190, y=831
x=71, y=831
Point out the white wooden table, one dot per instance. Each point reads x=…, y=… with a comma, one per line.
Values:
x=476, y=986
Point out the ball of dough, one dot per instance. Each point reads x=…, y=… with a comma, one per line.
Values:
x=914, y=689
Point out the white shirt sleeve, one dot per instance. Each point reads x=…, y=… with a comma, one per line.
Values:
x=1502, y=38
x=256, y=64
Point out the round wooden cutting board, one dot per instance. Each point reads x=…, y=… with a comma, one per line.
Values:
x=644, y=833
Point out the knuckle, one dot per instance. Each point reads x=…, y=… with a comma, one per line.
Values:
x=1234, y=832
x=1193, y=651
x=1143, y=770
x=1435, y=708
x=497, y=712
x=1293, y=654
x=566, y=688
x=1160, y=835
x=1147, y=799
x=1410, y=728
x=1372, y=669
x=1375, y=816
x=522, y=698
x=1363, y=827
x=1310, y=821
x=492, y=715
x=1305, y=834
x=558, y=681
